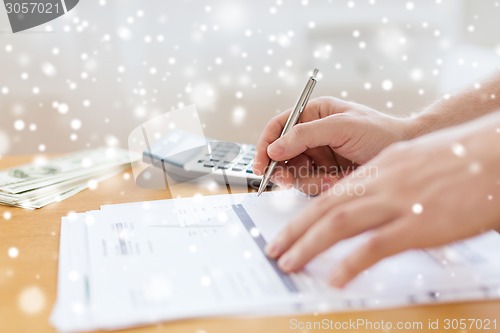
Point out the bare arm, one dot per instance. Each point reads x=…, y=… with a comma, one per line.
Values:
x=459, y=108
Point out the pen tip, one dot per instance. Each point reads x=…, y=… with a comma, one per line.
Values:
x=315, y=72
x=261, y=188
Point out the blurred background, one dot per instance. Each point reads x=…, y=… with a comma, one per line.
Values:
x=90, y=77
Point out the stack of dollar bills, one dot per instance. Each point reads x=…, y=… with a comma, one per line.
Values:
x=45, y=181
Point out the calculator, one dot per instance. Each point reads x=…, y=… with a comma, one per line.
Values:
x=184, y=157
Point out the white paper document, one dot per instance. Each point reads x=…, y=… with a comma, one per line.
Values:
x=139, y=263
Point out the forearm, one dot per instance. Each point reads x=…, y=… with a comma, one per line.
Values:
x=459, y=108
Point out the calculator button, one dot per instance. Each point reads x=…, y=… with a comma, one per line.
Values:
x=249, y=171
x=239, y=167
x=208, y=165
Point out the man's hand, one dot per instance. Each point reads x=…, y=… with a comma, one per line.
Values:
x=332, y=138
x=421, y=193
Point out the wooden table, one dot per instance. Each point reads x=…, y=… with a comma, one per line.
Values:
x=28, y=282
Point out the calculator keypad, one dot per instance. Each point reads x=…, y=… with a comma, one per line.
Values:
x=229, y=156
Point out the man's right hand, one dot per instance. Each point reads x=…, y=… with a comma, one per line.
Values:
x=331, y=139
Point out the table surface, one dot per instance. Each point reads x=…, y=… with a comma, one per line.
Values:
x=32, y=275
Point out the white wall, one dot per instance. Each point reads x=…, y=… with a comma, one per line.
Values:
x=240, y=62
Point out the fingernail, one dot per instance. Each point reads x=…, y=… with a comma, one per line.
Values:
x=272, y=250
x=276, y=147
x=285, y=262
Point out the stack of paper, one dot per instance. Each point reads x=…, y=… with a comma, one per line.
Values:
x=145, y=262
x=46, y=181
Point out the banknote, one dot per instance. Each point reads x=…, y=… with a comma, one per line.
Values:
x=34, y=175
x=36, y=185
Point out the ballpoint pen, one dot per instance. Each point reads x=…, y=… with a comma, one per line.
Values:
x=292, y=120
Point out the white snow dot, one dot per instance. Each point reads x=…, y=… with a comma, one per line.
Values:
x=41, y=147
x=49, y=69
x=254, y=232
x=367, y=85
x=458, y=149
x=7, y=215
x=140, y=111
x=356, y=33
x=63, y=108
x=13, y=252
x=92, y=184
x=8, y=48
x=5, y=90
x=239, y=114
x=362, y=45
x=416, y=74
x=387, y=85
x=475, y=168
x=417, y=209
x=410, y=5
x=206, y=281
x=124, y=33
x=19, y=125
x=239, y=94
x=31, y=300
x=36, y=90
x=76, y=124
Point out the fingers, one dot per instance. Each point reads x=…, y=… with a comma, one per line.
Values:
x=271, y=132
x=324, y=158
x=313, y=183
x=298, y=227
x=321, y=132
x=345, y=221
x=301, y=173
x=386, y=241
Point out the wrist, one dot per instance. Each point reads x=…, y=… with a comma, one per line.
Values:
x=421, y=124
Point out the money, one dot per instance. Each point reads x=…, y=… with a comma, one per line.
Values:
x=43, y=182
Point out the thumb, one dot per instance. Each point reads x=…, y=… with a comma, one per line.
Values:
x=304, y=136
